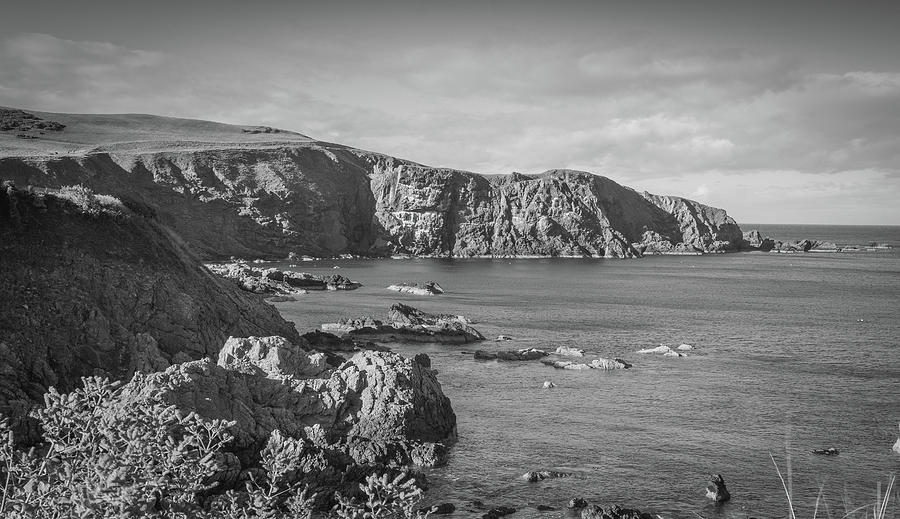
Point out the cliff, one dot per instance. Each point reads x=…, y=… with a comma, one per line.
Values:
x=93, y=285
x=261, y=192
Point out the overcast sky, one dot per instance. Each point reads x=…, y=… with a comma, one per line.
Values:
x=779, y=112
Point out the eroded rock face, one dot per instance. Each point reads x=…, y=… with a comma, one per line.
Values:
x=95, y=286
x=245, y=197
x=378, y=406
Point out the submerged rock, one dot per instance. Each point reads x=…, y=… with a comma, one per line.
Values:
x=408, y=324
x=716, y=489
x=613, y=512
x=664, y=350
x=440, y=509
x=831, y=451
x=429, y=288
x=499, y=511
x=513, y=355
x=549, y=385
x=601, y=363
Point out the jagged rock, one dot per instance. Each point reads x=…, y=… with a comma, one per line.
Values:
x=569, y=351
x=513, y=355
x=409, y=324
x=535, y=476
x=576, y=503
x=280, y=282
x=272, y=357
x=601, y=363
x=685, y=347
x=380, y=407
x=896, y=447
x=614, y=512
x=329, y=342
x=716, y=489
x=93, y=285
x=426, y=289
x=549, y=385
x=269, y=194
x=441, y=509
x=502, y=338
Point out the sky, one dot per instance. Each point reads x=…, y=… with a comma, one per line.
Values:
x=778, y=112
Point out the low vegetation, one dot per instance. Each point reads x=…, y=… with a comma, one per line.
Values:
x=105, y=455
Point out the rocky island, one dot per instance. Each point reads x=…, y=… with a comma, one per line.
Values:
x=407, y=324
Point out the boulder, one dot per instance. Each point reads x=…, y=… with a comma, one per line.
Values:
x=271, y=357
x=549, y=385
x=613, y=512
x=831, y=451
x=663, y=350
x=499, y=511
x=569, y=351
x=577, y=503
x=440, y=509
x=896, y=447
x=502, y=338
x=716, y=489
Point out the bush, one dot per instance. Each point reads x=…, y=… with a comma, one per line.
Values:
x=385, y=499
x=91, y=204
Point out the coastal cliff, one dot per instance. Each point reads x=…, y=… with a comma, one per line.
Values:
x=268, y=193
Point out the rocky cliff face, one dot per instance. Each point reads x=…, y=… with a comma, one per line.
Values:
x=91, y=286
x=228, y=193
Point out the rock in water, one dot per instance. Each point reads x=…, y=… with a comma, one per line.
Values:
x=601, y=364
x=716, y=489
x=427, y=289
x=896, y=447
x=406, y=323
x=569, y=351
x=514, y=355
x=535, y=476
x=613, y=512
x=498, y=511
x=548, y=384
x=831, y=451
x=441, y=509
x=577, y=502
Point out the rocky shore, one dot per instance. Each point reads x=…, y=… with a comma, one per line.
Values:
x=275, y=282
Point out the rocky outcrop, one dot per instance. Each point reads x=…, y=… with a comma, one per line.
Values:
x=408, y=324
x=233, y=191
x=569, y=351
x=665, y=351
x=92, y=285
x=377, y=407
x=601, y=363
x=429, y=288
x=716, y=489
x=540, y=475
x=272, y=281
x=613, y=512
x=512, y=355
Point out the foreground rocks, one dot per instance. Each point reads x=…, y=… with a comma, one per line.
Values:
x=94, y=285
x=408, y=324
x=429, y=288
x=272, y=281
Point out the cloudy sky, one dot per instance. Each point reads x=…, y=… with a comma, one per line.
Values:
x=780, y=112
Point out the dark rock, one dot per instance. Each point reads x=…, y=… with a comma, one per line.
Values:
x=716, y=490
x=408, y=324
x=441, y=509
x=498, y=511
x=577, y=502
x=279, y=282
x=545, y=508
x=614, y=512
x=422, y=360
x=831, y=451
x=513, y=355
x=535, y=476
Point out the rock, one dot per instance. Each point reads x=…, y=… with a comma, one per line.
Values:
x=548, y=384
x=545, y=508
x=569, y=351
x=831, y=451
x=614, y=512
x=92, y=285
x=228, y=192
x=577, y=503
x=601, y=363
x=441, y=509
x=896, y=447
x=427, y=289
x=498, y=511
x=377, y=407
x=502, y=338
x=664, y=350
x=514, y=355
x=535, y=476
x=279, y=282
x=685, y=347
x=329, y=342
x=271, y=357
x=716, y=490
x=408, y=324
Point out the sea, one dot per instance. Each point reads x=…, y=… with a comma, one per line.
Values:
x=791, y=353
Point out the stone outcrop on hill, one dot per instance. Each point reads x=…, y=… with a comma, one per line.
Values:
x=93, y=286
x=269, y=194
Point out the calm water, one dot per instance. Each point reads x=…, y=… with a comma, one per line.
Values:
x=781, y=365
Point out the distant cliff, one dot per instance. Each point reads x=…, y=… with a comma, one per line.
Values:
x=233, y=191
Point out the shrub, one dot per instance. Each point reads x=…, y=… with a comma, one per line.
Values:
x=91, y=204
x=385, y=499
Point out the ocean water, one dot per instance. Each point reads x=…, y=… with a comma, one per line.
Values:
x=792, y=353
